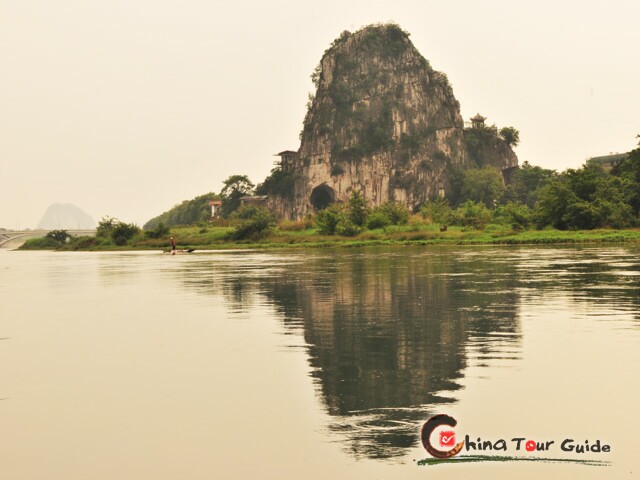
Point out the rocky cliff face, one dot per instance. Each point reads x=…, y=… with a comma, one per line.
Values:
x=486, y=148
x=382, y=121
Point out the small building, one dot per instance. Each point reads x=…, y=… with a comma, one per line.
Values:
x=608, y=161
x=215, y=208
x=478, y=121
x=255, y=200
x=287, y=159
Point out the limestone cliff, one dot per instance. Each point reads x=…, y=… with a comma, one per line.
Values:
x=66, y=216
x=382, y=121
x=486, y=149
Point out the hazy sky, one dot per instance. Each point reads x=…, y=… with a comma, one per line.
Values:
x=127, y=107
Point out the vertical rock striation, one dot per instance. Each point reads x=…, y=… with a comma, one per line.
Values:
x=383, y=122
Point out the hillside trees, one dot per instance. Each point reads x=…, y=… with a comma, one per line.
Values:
x=234, y=188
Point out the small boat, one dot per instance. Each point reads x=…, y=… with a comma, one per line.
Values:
x=179, y=251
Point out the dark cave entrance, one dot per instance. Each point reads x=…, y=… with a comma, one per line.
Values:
x=322, y=196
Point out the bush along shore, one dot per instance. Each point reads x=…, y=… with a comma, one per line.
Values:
x=349, y=224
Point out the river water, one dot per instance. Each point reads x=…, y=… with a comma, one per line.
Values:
x=315, y=363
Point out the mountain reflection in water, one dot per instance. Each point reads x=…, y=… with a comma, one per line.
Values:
x=390, y=332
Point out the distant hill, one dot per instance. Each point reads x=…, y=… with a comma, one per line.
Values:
x=66, y=216
x=185, y=213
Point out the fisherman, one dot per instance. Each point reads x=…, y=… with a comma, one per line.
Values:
x=173, y=246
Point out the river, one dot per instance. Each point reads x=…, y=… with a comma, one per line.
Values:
x=316, y=363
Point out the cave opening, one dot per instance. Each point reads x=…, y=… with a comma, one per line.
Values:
x=322, y=196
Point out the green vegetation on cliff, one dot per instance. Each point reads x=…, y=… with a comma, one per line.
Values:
x=482, y=142
x=279, y=183
x=355, y=100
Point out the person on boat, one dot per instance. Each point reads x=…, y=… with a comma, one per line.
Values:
x=173, y=246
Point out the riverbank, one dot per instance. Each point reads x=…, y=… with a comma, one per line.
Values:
x=216, y=238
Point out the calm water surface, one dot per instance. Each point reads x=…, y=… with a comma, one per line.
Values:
x=308, y=364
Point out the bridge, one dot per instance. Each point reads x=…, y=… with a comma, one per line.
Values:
x=15, y=238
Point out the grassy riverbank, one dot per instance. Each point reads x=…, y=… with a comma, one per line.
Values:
x=218, y=238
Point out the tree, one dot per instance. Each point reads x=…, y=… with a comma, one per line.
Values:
x=377, y=219
x=188, y=212
x=119, y=232
x=510, y=135
x=328, y=218
x=586, y=198
x=397, y=213
x=59, y=236
x=234, y=188
x=515, y=214
x=337, y=219
x=123, y=232
x=106, y=226
x=438, y=211
x=551, y=208
x=358, y=209
x=628, y=171
x=278, y=183
x=160, y=231
x=484, y=185
x=526, y=183
x=472, y=214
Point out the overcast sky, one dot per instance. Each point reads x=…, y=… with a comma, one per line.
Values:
x=127, y=107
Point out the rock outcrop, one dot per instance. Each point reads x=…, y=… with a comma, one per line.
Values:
x=66, y=216
x=382, y=122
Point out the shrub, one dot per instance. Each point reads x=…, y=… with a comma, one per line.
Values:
x=347, y=228
x=82, y=243
x=123, y=232
x=336, y=170
x=377, y=219
x=119, y=232
x=344, y=219
x=438, y=211
x=472, y=214
x=252, y=222
x=327, y=220
x=516, y=214
x=42, y=243
x=397, y=213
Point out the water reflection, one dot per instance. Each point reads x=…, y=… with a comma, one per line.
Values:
x=390, y=332
x=389, y=336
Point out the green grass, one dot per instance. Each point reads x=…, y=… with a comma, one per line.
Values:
x=415, y=234
x=399, y=235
